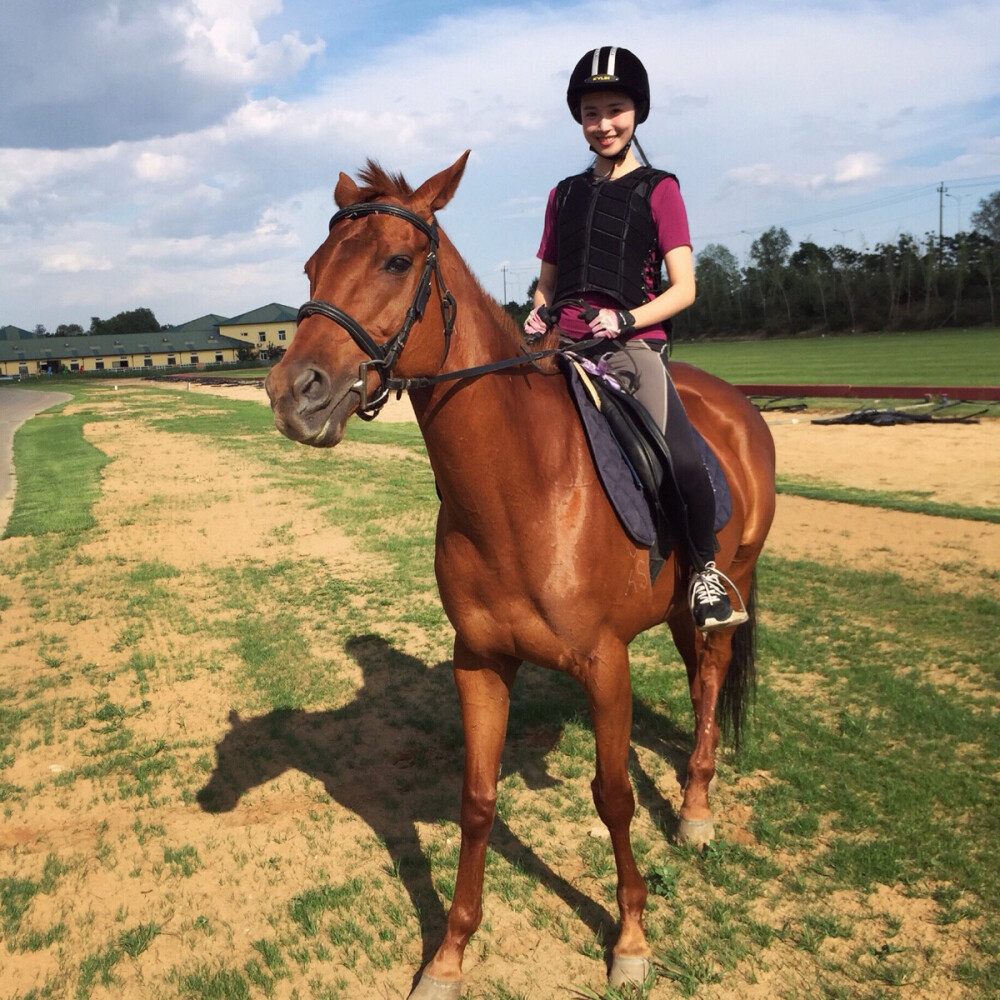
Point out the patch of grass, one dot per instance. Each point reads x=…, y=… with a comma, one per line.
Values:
x=183, y=861
x=215, y=984
x=886, y=500
x=58, y=475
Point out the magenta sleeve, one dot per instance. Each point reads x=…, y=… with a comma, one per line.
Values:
x=548, y=248
x=670, y=216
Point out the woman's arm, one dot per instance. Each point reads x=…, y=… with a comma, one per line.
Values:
x=546, y=284
x=677, y=297
x=680, y=294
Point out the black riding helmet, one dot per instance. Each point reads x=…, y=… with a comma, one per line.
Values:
x=609, y=68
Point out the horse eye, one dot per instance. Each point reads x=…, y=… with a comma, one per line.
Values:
x=398, y=265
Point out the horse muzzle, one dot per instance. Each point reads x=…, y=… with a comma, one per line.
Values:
x=308, y=406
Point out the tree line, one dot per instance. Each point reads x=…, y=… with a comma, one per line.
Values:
x=131, y=321
x=910, y=284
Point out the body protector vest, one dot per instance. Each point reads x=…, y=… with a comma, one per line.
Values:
x=606, y=235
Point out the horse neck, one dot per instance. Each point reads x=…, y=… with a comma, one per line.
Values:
x=465, y=421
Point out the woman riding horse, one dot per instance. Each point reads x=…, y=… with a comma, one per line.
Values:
x=606, y=231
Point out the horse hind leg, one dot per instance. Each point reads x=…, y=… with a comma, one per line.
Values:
x=721, y=678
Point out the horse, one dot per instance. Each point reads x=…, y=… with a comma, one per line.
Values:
x=531, y=561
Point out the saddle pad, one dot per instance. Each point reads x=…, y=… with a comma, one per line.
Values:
x=620, y=482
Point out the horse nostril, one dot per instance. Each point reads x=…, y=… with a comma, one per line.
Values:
x=312, y=390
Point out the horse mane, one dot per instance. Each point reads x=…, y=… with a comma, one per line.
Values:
x=378, y=182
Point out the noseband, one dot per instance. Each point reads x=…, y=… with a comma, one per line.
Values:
x=383, y=357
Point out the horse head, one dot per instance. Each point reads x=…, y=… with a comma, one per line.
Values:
x=369, y=283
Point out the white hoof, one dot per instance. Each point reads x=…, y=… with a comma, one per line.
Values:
x=628, y=970
x=429, y=988
x=696, y=832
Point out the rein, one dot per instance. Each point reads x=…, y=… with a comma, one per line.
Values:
x=383, y=357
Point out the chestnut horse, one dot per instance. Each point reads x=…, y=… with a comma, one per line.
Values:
x=531, y=561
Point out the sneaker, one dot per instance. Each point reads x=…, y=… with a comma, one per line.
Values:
x=710, y=603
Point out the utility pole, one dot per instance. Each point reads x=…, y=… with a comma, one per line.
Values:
x=941, y=194
x=503, y=270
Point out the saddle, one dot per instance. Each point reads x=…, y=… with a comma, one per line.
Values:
x=634, y=465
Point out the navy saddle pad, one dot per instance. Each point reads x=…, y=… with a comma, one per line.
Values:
x=619, y=479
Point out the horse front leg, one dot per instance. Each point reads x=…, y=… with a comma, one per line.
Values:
x=484, y=693
x=609, y=691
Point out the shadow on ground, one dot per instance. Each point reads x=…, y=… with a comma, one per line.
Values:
x=393, y=757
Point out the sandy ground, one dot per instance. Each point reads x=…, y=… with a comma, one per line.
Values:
x=949, y=463
x=176, y=490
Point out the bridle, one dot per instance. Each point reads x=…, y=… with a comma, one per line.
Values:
x=383, y=357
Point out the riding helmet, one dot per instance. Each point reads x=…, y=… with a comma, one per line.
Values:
x=609, y=68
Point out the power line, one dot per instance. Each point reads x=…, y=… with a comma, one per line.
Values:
x=885, y=201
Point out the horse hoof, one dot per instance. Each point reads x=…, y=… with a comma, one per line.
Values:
x=696, y=832
x=628, y=970
x=429, y=988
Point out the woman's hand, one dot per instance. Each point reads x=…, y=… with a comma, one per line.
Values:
x=534, y=325
x=611, y=322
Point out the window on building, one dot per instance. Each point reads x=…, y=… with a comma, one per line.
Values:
x=219, y=359
x=22, y=369
x=281, y=335
x=171, y=359
x=194, y=359
x=262, y=337
x=99, y=364
x=74, y=366
x=122, y=363
x=147, y=362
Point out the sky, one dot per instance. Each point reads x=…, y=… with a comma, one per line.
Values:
x=180, y=155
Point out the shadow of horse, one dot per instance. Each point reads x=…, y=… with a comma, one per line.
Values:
x=393, y=757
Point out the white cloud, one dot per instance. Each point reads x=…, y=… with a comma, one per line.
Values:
x=74, y=260
x=857, y=167
x=762, y=110
x=222, y=41
x=158, y=167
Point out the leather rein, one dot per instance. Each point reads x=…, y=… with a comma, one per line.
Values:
x=383, y=357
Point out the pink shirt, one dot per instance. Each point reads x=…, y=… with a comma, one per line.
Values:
x=670, y=219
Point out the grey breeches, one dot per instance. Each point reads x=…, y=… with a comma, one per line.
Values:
x=642, y=370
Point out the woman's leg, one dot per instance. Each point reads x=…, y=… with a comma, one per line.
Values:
x=642, y=370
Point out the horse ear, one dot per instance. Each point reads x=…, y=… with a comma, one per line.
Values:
x=346, y=192
x=436, y=192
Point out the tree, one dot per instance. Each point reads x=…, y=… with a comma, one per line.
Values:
x=985, y=219
x=132, y=321
x=769, y=255
x=40, y=331
x=717, y=275
x=815, y=267
x=69, y=330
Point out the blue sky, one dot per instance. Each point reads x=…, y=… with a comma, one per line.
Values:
x=181, y=154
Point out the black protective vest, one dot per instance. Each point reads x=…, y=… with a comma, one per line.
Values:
x=606, y=235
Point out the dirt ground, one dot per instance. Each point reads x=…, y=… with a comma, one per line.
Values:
x=160, y=480
x=949, y=463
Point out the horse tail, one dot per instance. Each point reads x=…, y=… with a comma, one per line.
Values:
x=739, y=689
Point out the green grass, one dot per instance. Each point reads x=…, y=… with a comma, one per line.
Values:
x=912, y=503
x=58, y=476
x=937, y=357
